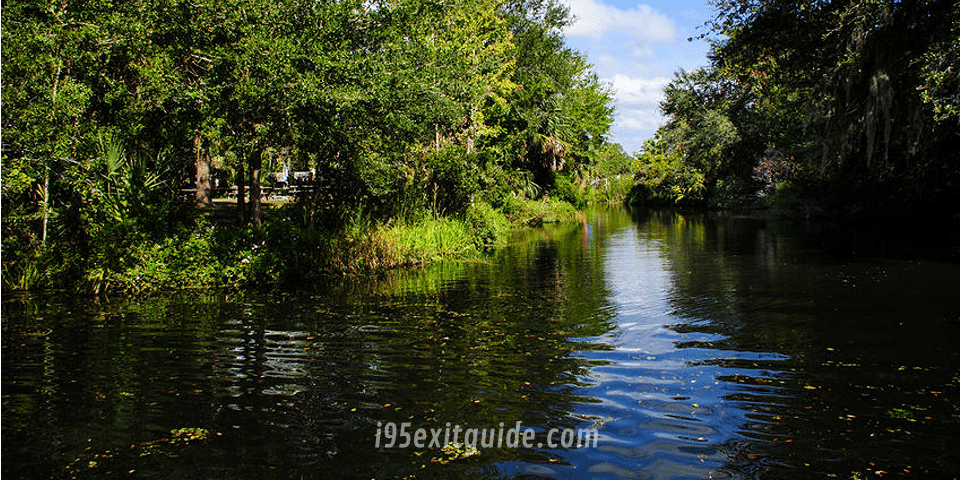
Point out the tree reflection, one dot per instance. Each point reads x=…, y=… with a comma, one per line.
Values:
x=292, y=384
x=864, y=363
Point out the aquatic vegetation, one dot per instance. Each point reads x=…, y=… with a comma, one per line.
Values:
x=455, y=451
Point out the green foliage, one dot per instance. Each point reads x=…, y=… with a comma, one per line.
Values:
x=489, y=225
x=566, y=190
x=173, y=263
x=608, y=177
x=26, y=275
x=125, y=189
x=900, y=413
x=701, y=128
x=450, y=179
x=427, y=240
x=861, y=95
x=527, y=212
x=611, y=190
x=561, y=111
x=367, y=246
x=197, y=256
x=939, y=69
x=404, y=111
x=663, y=177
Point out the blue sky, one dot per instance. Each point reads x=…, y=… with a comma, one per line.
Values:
x=636, y=48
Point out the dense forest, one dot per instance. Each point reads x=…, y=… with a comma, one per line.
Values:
x=843, y=108
x=428, y=128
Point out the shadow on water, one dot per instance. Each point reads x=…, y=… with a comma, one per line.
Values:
x=293, y=385
x=697, y=345
x=840, y=352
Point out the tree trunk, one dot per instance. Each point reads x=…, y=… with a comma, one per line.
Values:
x=46, y=205
x=203, y=197
x=256, y=163
x=46, y=172
x=241, y=195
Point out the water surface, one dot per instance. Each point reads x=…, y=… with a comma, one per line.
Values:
x=698, y=346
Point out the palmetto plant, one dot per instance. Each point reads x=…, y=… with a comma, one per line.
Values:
x=129, y=183
x=549, y=133
x=526, y=184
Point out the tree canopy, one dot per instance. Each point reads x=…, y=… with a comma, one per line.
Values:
x=844, y=106
x=397, y=106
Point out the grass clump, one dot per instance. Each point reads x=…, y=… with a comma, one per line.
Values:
x=366, y=246
x=489, y=225
x=526, y=212
x=429, y=239
x=211, y=250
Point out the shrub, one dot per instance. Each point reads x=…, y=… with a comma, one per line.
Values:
x=615, y=189
x=669, y=181
x=489, y=225
x=522, y=211
x=565, y=189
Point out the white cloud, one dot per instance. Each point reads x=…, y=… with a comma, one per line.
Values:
x=638, y=109
x=634, y=126
x=609, y=63
x=645, y=119
x=636, y=50
x=640, y=51
x=642, y=120
x=633, y=92
x=594, y=19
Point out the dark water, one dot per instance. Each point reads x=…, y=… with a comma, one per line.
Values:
x=698, y=345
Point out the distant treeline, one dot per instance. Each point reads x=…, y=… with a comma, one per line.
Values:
x=849, y=107
x=403, y=109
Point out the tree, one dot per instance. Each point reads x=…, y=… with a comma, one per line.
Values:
x=399, y=106
x=843, y=89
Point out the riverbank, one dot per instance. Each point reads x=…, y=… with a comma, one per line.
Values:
x=213, y=252
x=843, y=347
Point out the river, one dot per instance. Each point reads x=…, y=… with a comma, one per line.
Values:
x=696, y=345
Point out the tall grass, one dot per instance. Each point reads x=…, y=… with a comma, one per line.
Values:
x=368, y=246
x=525, y=212
x=28, y=276
x=207, y=254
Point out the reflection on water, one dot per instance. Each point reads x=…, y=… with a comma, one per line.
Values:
x=698, y=345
